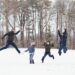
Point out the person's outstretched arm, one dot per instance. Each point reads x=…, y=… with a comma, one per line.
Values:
x=59, y=33
x=65, y=32
x=5, y=35
x=17, y=32
x=26, y=50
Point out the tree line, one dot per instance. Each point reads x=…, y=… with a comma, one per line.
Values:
x=36, y=18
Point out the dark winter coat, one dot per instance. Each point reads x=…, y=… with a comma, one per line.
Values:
x=10, y=36
x=63, y=38
x=47, y=47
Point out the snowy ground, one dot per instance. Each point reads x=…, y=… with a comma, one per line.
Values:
x=12, y=63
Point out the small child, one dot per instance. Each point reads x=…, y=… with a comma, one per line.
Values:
x=47, y=46
x=31, y=50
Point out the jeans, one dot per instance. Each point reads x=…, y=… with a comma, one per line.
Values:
x=31, y=58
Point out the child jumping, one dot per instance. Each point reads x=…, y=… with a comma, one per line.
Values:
x=47, y=46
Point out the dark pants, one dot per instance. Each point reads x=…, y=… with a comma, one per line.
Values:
x=47, y=53
x=62, y=47
x=10, y=43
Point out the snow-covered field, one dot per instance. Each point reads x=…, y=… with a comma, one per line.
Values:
x=12, y=63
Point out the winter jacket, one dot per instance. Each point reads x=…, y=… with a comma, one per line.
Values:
x=63, y=38
x=47, y=47
x=31, y=49
x=10, y=35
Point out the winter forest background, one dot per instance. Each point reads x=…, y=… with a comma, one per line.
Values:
x=39, y=20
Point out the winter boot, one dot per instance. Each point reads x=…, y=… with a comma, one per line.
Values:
x=42, y=60
x=32, y=61
x=59, y=53
x=53, y=56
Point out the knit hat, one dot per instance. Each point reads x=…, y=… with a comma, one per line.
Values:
x=33, y=43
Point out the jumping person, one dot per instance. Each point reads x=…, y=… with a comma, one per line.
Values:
x=63, y=40
x=47, y=46
x=31, y=50
x=10, y=38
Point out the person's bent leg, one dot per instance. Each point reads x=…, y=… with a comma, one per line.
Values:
x=4, y=47
x=65, y=49
x=14, y=45
x=51, y=55
x=44, y=57
x=60, y=48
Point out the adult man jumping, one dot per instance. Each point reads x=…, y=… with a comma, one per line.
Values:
x=10, y=38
